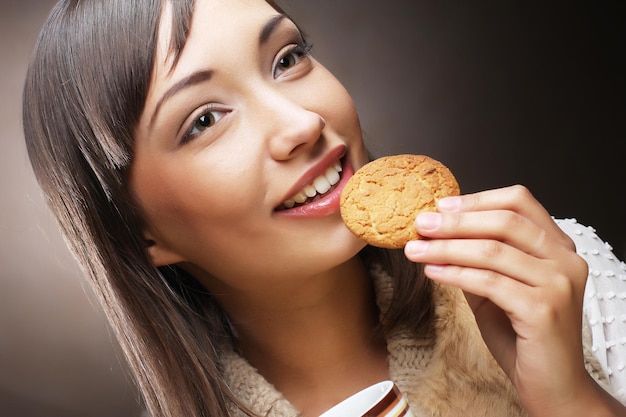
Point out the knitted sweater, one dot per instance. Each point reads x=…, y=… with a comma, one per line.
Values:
x=448, y=374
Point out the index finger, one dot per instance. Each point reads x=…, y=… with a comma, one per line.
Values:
x=516, y=198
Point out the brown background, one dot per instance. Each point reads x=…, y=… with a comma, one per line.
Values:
x=503, y=92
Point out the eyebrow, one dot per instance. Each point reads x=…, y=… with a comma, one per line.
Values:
x=201, y=76
x=269, y=28
x=193, y=79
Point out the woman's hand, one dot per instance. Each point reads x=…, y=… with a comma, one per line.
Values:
x=525, y=283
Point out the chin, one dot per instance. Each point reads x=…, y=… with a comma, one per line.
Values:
x=344, y=249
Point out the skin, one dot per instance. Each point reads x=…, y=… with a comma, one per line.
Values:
x=502, y=242
x=209, y=206
x=209, y=203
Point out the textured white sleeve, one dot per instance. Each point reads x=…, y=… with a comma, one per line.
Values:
x=605, y=302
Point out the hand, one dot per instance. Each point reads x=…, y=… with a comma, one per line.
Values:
x=525, y=284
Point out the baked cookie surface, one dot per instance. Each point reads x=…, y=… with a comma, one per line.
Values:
x=380, y=202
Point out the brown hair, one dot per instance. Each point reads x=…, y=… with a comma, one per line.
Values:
x=85, y=91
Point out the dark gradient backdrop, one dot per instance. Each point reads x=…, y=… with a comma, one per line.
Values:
x=503, y=92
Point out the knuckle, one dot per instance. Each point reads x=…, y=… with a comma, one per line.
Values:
x=549, y=306
x=520, y=192
x=565, y=288
x=569, y=242
x=491, y=278
x=491, y=249
x=520, y=196
x=580, y=268
x=545, y=310
x=512, y=221
x=454, y=222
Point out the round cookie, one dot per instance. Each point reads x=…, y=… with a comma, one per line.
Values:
x=380, y=202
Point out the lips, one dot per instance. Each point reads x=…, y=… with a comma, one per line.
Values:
x=320, y=205
x=318, y=188
x=318, y=191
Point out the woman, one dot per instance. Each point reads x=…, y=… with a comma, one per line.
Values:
x=194, y=155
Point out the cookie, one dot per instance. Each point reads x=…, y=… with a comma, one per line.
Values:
x=380, y=202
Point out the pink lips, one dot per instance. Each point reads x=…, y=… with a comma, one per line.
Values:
x=326, y=205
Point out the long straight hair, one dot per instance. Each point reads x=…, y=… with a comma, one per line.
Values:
x=84, y=94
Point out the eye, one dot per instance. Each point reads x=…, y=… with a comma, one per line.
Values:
x=209, y=117
x=290, y=57
x=287, y=61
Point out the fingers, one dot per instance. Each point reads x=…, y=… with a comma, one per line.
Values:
x=505, y=231
x=503, y=226
x=492, y=258
x=500, y=244
x=498, y=241
x=523, y=280
x=501, y=273
x=516, y=298
x=517, y=199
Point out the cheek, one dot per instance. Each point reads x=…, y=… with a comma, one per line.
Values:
x=190, y=199
x=336, y=105
x=344, y=116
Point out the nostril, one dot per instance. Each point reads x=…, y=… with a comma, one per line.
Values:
x=322, y=123
x=297, y=148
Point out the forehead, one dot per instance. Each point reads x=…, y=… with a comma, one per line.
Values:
x=214, y=22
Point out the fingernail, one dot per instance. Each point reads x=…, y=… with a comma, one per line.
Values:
x=428, y=221
x=416, y=247
x=449, y=204
x=433, y=269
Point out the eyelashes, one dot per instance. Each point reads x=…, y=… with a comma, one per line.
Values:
x=209, y=116
x=289, y=58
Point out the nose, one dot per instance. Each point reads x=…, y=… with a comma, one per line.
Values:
x=291, y=128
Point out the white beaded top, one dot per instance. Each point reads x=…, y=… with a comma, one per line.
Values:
x=605, y=302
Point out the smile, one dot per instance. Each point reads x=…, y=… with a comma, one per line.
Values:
x=316, y=189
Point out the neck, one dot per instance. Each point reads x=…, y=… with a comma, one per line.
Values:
x=317, y=342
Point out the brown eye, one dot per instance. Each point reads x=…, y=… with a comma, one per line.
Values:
x=291, y=57
x=288, y=61
x=203, y=122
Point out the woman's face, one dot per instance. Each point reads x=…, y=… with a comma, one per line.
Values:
x=245, y=121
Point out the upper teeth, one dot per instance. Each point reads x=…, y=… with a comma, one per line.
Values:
x=320, y=185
